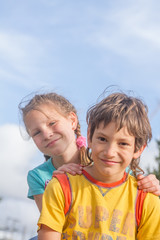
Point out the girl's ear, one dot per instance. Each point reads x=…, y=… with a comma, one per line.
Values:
x=139, y=152
x=74, y=120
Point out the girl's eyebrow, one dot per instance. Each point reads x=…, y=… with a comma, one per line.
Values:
x=34, y=129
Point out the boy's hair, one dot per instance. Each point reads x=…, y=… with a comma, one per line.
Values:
x=126, y=111
x=62, y=105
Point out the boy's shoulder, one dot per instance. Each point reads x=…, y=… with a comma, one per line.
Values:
x=131, y=178
x=74, y=181
x=152, y=199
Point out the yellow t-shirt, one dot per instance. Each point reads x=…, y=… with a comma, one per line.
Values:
x=100, y=211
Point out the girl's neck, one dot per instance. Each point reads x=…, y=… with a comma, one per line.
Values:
x=58, y=161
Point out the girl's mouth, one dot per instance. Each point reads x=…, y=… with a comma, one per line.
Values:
x=50, y=144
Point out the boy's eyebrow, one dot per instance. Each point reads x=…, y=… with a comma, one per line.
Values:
x=102, y=134
x=124, y=138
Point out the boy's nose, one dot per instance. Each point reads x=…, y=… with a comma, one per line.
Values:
x=110, y=150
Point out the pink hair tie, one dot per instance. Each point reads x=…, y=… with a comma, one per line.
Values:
x=81, y=142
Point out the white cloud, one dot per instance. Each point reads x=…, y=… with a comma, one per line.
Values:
x=19, y=46
x=16, y=156
x=19, y=218
x=130, y=30
x=20, y=56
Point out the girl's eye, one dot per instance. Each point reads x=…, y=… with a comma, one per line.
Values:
x=35, y=134
x=51, y=123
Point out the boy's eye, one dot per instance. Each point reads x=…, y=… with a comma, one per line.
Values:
x=124, y=144
x=102, y=139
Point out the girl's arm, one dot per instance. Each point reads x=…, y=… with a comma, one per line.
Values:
x=38, y=200
x=149, y=184
x=71, y=168
x=46, y=233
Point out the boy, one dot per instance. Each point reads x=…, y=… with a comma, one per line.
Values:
x=104, y=202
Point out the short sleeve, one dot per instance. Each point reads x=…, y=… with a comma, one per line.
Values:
x=53, y=202
x=35, y=183
x=38, y=178
x=149, y=227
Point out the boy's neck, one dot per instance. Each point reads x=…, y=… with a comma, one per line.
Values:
x=103, y=178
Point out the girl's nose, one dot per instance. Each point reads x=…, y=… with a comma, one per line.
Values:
x=47, y=134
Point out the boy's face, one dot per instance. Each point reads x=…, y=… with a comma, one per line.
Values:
x=112, y=152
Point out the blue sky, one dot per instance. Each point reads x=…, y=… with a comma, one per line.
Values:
x=76, y=48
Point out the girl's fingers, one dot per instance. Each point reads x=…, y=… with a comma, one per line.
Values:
x=149, y=184
x=57, y=172
x=71, y=168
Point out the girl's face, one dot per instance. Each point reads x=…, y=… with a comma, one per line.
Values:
x=52, y=133
x=112, y=152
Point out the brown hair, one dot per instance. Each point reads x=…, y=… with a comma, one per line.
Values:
x=64, y=106
x=126, y=111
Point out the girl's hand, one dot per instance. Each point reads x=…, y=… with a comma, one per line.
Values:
x=71, y=168
x=149, y=184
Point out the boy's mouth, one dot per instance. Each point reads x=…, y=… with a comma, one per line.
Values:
x=109, y=162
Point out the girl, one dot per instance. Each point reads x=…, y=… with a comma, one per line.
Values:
x=52, y=122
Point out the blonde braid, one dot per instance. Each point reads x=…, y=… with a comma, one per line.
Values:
x=134, y=166
x=83, y=157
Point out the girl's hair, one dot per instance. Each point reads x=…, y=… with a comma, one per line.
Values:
x=64, y=106
x=126, y=111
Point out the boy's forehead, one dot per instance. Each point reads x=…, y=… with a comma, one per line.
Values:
x=113, y=128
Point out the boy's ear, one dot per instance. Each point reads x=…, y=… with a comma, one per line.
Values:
x=139, y=152
x=74, y=120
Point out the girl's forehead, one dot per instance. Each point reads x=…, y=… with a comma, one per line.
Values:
x=50, y=109
x=47, y=107
x=47, y=111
